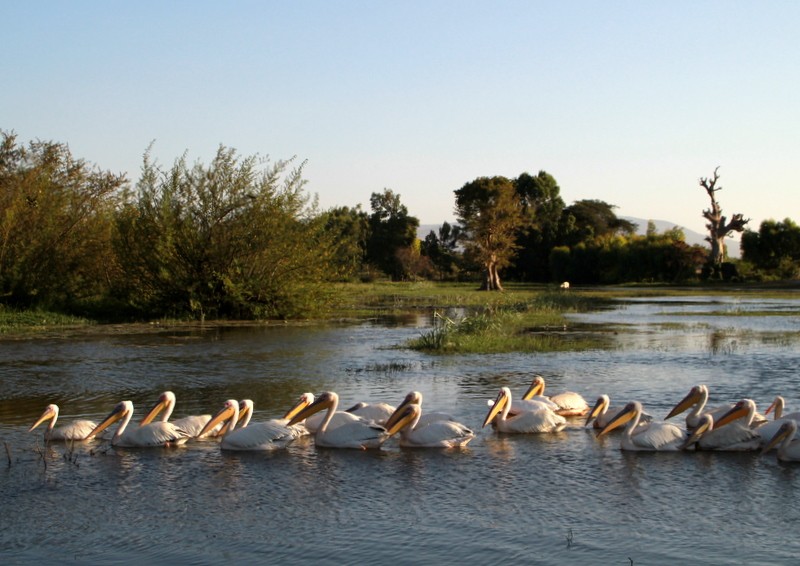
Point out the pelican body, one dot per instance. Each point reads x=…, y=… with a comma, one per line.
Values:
x=730, y=437
x=436, y=434
x=653, y=436
x=570, y=404
x=539, y=421
x=270, y=435
x=149, y=435
x=358, y=434
x=76, y=430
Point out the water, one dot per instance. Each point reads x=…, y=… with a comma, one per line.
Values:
x=544, y=499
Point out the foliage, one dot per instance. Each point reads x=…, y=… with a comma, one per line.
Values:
x=774, y=249
x=235, y=239
x=442, y=250
x=349, y=229
x=55, y=223
x=391, y=229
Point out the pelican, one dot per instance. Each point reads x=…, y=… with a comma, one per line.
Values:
x=375, y=412
x=602, y=413
x=654, y=436
x=437, y=434
x=353, y=434
x=153, y=434
x=76, y=430
x=732, y=437
x=789, y=449
x=415, y=397
x=542, y=420
x=313, y=422
x=192, y=424
x=778, y=405
x=746, y=411
x=570, y=404
x=273, y=434
x=697, y=399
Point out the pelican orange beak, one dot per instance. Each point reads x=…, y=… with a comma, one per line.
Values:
x=596, y=410
x=783, y=432
x=119, y=411
x=48, y=414
x=229, y=408
x=161, y=404
x=774, y=407
x=304, y=401
x=705, y=425
x=536, y=388
x=691, y=399
x=739, y=410
x=398, y=412
x=499, y=403
x=400, y=421
x=322, y=402
x=622, y=417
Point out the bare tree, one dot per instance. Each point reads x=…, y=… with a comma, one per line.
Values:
x=718, y=226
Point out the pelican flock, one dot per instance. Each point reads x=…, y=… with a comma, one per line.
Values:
x=730, y=427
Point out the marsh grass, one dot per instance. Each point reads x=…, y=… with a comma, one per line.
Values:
x=15, y=321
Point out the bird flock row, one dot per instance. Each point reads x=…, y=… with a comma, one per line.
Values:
x=733, y=427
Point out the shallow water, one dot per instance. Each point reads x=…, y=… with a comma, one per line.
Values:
x=545, y=499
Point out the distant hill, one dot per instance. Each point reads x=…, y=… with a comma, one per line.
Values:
x=692, y=237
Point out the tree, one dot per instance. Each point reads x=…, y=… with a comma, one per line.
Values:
x=718, y=226
x=349, y=228
x=491, y=213
x=587, y=220
x=391, y=228
x=55, y=223
x=775, y=247
x=443, y=249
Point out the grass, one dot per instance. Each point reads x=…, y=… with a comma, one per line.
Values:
x=13, y=321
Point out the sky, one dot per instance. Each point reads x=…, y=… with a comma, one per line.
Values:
x=628, y=102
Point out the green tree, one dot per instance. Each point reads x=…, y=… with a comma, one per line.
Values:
x=442, y=249
x=587, y=220
x=774, y=248
x=55, y=225
x=239, y=238
x=391, y=229
x=349, y=228
x=491, y=213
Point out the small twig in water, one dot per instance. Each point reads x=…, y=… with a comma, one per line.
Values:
x=8, y=453
x=569, y=539
x=631, y=559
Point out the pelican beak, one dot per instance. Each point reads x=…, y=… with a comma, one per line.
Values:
x=771, y=407
x=222, y=415
x=304, y=401
x=536, y=388
x=701, y=429
x=116, y=414
x=321, y=403
x=398, y=413
x=499, y=403
x=47, y=415
x=622, y=417
x=399, y=421
x=739, y=410
x=688, y=401
x=160, y=405
x=595, y=411
x=782, y=433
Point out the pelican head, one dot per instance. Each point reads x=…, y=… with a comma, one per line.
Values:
x=536, y=388
x=120, y=410
x=415, y=397
x=165, y=401
x=50, y=414
x=499, y=404
x=704, y=425
x=599, y=407
x=324, y=401
x=304, y=401
x=739, y=410
x=789, y=428
x=626, y=414
x=692, y=398
x=777, y=405
x=408, y=415
x=229, y=410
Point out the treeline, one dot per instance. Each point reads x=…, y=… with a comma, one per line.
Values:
x=241, y=238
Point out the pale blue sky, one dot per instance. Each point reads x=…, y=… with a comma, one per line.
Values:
x=630, y=102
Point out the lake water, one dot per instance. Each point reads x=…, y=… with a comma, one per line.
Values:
x=541, y=499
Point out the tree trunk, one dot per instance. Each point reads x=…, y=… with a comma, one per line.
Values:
x=491, y=281
x=718, y=227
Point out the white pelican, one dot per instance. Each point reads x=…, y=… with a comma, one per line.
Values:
x=273, y=434
x=415, y=397
x=313, y=422
x=375, y=412
x=733, y=436
x=653, y=436
x=697, y=399
x=542, y=420
x=789, y=449
x=602, y=413
x=570, y=404
x=745, y=410
x=353, y=434
x=437, y=434
x=76, y=430
x=192, y=424
x=777, y=407
x=153, y=434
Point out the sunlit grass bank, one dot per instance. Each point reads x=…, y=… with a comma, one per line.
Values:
x=32, y=321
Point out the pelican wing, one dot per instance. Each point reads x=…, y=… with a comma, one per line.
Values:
x=659, y=436
x=268, y=435
x=437, y=434
x=153, y=434
x=532, y=422
x=353, y=434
